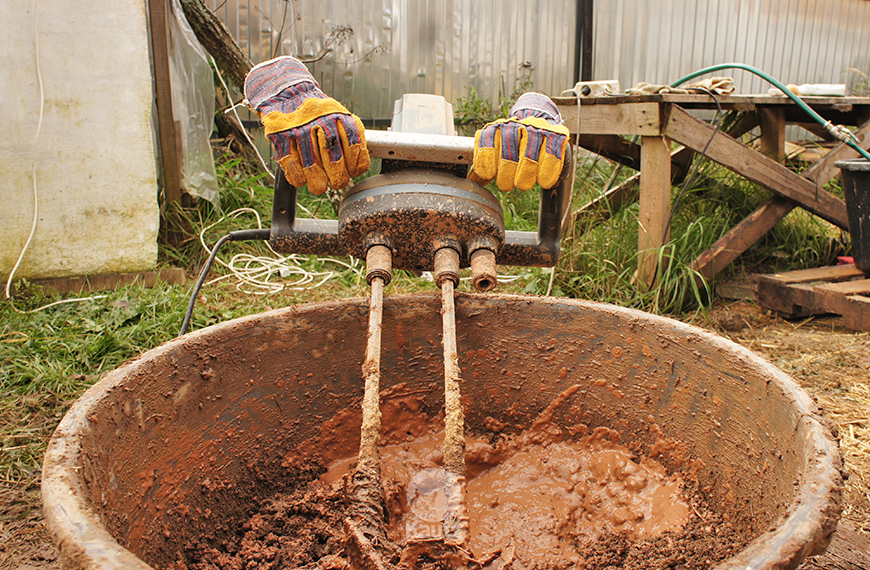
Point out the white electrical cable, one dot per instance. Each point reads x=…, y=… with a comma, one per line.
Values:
x=33, y=154
x=254, y=273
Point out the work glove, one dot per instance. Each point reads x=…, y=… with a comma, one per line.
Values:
x=524, y=149
x=317, y=141
x=718, y=85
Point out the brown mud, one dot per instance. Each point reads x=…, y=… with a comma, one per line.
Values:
x=537, y=500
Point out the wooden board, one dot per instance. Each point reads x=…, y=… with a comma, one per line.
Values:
x=741, y=237
x=841, y=290
x=840, y=104
x=168, y=129
x=828, y=274
x=772, y=132
x=683, y=128
x=626, y=193
x=628, y=119
x=655, y=205
x=64, y=285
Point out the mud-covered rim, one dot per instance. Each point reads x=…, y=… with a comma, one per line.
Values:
x=810, y=520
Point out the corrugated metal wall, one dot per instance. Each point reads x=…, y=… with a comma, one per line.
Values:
x=447, y=46
x=442, y=47
x=796, y=41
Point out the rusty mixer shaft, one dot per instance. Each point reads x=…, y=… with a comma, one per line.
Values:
x=455, y=521
x=378, y=262
x=367, y=529
x=368, y=544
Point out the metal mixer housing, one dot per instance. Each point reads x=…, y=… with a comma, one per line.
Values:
x=421, y=202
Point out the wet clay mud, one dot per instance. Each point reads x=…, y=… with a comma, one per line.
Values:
x=542, y=499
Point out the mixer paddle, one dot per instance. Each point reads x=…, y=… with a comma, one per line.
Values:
x=452, y=549
x=455, y=522
x=366, y=529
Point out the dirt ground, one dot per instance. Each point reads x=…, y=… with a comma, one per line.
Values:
x=829, y=361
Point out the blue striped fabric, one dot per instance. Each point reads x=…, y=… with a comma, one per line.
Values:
x=270, y=78
x=282, y=85
x=528, y=105
x=536, y=105
x=304, y=138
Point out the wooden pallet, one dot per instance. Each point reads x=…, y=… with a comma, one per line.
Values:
x=841, y=289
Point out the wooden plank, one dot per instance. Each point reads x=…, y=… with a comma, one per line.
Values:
x=612, y=147
x=170, y=149
x=839, y=303
x=794, y=300
x=830, y=273
x=818, y=291
x=704, y=99
x=824, y=170
x=695, y=134
x=733, y=244
x=741, y=237
x=856, y=287
x=655, y=205
x=626, y=119
x=772, y=132
x=64, y=285
x=857, y=318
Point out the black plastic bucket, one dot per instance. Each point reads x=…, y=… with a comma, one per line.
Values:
x=856, y=186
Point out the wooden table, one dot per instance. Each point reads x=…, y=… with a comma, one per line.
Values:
x=603, y=122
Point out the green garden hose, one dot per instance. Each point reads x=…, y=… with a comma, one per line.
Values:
x=837, y=131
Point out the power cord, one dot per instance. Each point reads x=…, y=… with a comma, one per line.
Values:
x=240, y=235
x=715, y=123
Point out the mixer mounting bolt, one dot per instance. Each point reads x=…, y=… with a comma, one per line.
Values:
x=379, y=264
x=446, y=266
x=483, y=273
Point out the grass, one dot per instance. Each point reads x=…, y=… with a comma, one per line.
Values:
x=49, y=356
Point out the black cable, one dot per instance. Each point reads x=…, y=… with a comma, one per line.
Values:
x=241, y=235
x=716, y=121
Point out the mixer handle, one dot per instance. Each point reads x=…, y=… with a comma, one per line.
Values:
x=299, y=235
x=542, y=249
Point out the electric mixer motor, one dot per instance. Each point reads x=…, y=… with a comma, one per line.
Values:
x=422, y=202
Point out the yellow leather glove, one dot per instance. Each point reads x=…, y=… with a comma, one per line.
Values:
x=317, y=140
x=527, y=148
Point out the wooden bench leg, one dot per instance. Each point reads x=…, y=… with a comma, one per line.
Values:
x=772, y=132
x=655, y=205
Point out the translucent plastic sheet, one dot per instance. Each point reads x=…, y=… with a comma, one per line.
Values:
x=193, y=97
